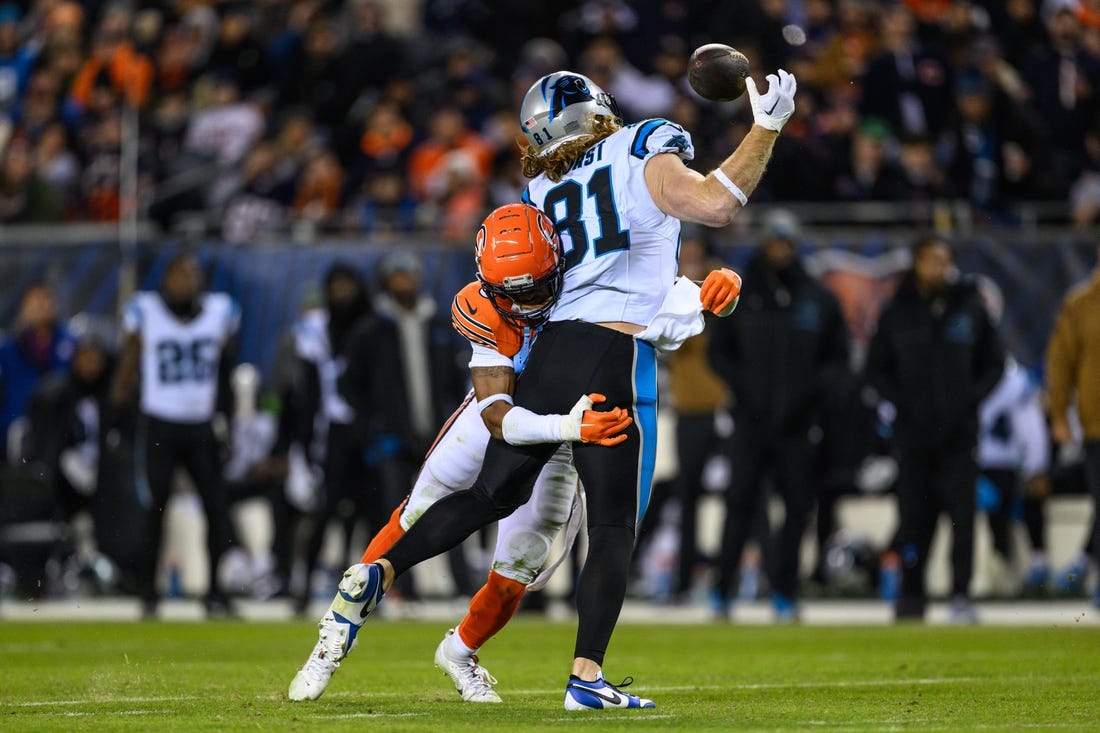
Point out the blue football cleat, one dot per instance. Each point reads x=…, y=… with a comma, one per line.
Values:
x=600, y=695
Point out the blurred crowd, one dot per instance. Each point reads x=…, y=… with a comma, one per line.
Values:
x=383, y=116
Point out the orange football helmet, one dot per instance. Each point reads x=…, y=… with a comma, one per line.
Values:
x=519, y=263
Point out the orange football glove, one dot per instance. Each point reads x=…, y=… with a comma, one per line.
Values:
x=588, y=426
x=720, y=291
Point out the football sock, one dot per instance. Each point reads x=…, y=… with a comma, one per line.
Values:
x=458, y=648
x=385, y=538
x=490, y=609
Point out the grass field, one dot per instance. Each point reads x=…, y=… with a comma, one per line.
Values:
x=233, y=677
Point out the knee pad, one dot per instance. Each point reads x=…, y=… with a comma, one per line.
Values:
x=554, y=496
x=425, y=493
x=522, y=554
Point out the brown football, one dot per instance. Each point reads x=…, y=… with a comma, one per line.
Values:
x=717, y=72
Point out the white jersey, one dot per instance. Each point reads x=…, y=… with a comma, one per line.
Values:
x=179, y=359
x=620, y=249
x=1012, y=433
x=311, y=343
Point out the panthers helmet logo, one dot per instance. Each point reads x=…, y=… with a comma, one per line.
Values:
x=566, y=91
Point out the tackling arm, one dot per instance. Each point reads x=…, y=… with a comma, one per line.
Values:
x=493, y=388
x=489, y=381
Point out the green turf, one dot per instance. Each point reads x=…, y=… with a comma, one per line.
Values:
x=233, y=676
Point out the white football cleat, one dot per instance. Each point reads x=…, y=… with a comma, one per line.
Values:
x=332, y=646
x=472, y=681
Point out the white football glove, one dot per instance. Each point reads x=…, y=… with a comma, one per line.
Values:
x=772, y=109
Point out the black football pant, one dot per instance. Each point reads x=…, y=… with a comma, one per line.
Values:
x=789, y=460
x=932, y=481
x=696, y=441
x=160, y=447
x=569, y=359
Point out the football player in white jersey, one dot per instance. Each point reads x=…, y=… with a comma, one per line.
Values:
x=179, y=347
x=519, y=268
x=617, y=194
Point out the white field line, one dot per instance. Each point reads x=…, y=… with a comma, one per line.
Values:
x=85, y=714
x=97, y=701
x=553, y=691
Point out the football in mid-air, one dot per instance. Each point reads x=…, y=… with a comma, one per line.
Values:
x=717, y=72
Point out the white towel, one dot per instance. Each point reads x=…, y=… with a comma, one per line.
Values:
x=680, y=317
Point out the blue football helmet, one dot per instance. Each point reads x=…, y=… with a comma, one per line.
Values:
x=559, y=107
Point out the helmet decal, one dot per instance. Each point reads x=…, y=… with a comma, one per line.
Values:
x=567, y=90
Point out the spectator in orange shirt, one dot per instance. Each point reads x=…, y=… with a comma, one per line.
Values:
x=447, y=133
x=129, y=72
x=320, y=186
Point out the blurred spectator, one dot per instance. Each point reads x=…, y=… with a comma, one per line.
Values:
x=456, y=196
x=1064, y=79
x=16, y=59
x=777, y=356
x=406, y=371
x=99, y=185
x=998, y=151
x=319, y=188
x=697, y=394
x=935, y=356
x=25, y=198
x=57, y=164
x=907, y=83
x=237, y=52
x=382, y=205
x=1014, y=456
x=38, y=345
x=869, y=174
x=385, y=143
x=114, y=60
x=226, y=127
x=923, y=179
x=262, y=197
x=1073, y=379
x=377, y=55
x=639, y=95
x=1014, y=459
x=63, y=427
x=430, y=163
x=313, y=77
x=326, y=422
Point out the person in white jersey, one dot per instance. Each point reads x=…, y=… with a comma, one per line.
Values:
x=179, y=347
x=617, y=195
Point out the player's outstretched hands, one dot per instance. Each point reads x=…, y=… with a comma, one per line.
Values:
x=720, y=291
x=588, y=426
x=772, y=109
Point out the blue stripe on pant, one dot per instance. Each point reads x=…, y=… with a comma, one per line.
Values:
x=645, y=413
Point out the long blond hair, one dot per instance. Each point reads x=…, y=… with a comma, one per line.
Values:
x=557, y=163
